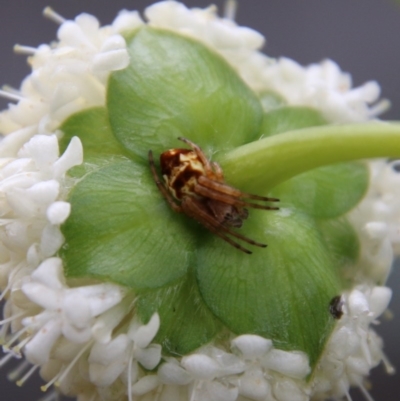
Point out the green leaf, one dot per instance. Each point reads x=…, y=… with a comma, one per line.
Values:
x=290, y=118
x=93, y=129
x=325, y=192
x=175, y=86
x=186, y=322
x=282, y=292
x=343, y=245
x=121, y=229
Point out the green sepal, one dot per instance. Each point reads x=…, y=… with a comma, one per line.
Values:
x=343, y=244
x=282, y=292
x=93, y=129
x=290, y=118
x=121, y=229
x=186, y=321
x=176, y=86
x=325, y=192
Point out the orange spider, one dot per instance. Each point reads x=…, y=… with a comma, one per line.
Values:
x=198, y=185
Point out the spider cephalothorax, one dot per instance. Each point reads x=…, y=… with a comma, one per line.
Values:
x=195, y=186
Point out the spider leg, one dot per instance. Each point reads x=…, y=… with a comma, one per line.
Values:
x=194, y=210
x=227, y=189
x=200, y=154
x=161, y=185
x=218, y=172
x=229, y=199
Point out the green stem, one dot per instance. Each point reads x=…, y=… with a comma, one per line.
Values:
x=272, y=160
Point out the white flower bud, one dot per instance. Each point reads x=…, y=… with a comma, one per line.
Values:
x=252, y=346
x=292, y=364
x=202, y=367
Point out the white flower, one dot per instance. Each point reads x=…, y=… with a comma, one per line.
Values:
x=93, y=327
x=67, y=311
x=123, y=353
x=354, y=348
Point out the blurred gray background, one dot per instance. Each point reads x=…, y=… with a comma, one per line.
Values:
x=361, y=36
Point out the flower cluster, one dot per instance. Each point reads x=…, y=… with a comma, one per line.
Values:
x=85, y=336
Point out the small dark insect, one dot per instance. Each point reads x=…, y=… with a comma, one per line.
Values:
x=336, y=307
x=195, y=186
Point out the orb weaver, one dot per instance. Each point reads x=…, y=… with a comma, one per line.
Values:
x=195, y=186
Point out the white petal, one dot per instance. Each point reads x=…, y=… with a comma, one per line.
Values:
x=358, y=303
x=51, y=240
x=107, y=321
x=287, y=390
x=58, y=212
x=149, y=357
x=254, y=386
x=172, y=373
x=105, y=375
x=73, y=156
x=44, y=192
x=145, y=384
x=71, y=34
x=229, y=364
x=221, y=392
x=114, y=42
x=76, y=309
x=112, y=60
x=143, y=336
x=101, y=297
x=49, y=273
x=42, y=295
x=37, y=351
x=107, y=353
x=358, y=366
x=293, y=364
x=10, y=144
x=75, y=334
x=202, y=367
x=44, y=150
x=127, y=21
x=252, y=346
x=379, y=300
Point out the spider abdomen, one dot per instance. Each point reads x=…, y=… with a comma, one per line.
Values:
x=181, y=169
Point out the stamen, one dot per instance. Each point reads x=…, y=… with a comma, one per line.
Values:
x=21, y=49
x=31, y=371
x=18, y=371
x=195, y=389
x=379, y=108
x=348, y=396
x=130, y=375
x=3, y=333
x=158, y=393
x=50, y=383
x=73, y=362
x=10, y=89
x=49, y=13
x=5, y=359
x=17, y=348
x=365, y=393
x=11, y=318
x=389, y=368
x=14, y=98
x=52, y=396
x=13, y=339
x=230, y=9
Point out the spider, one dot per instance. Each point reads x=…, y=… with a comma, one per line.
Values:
x=195, y=186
